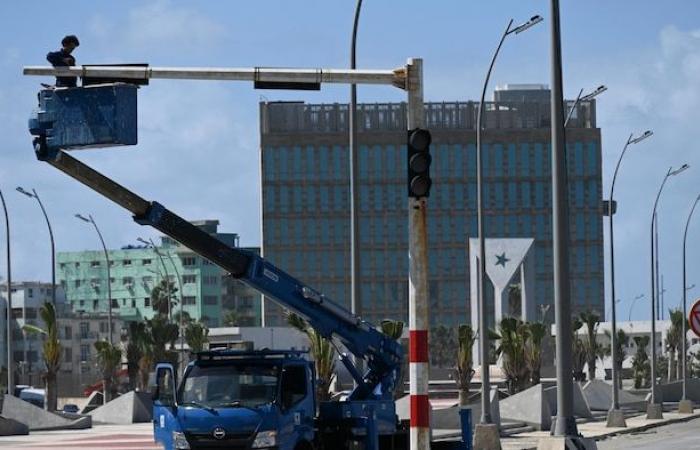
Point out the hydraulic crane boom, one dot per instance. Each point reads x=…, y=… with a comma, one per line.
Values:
x=383, y=354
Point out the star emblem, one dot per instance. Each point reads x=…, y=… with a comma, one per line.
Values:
x=501, y=259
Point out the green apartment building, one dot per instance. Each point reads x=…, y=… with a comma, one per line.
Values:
x=204, y=289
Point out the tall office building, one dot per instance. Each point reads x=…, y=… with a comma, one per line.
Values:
x=305, y=198
x=205, y=290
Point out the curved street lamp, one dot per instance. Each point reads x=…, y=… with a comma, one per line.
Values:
x=584, y=98
x=634, y=300
x=685, y=300
x=33, y=194
x=10, y=389
x=671, y=172
x=483, y=332
x=615, y=406
x=89, y=219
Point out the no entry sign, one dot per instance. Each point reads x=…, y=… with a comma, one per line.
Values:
x=694, y=318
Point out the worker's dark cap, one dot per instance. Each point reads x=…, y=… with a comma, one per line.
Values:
x=70, y=39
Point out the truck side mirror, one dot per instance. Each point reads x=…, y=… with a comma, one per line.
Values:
x=164, y=394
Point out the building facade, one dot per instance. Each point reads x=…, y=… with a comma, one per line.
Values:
x=305, y=200
x=205, y=291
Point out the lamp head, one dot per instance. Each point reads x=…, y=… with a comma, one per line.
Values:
x=641, y=137
x=83, y=218
x=599, y=90
x=143, y=241
x=679, y=170
x=534, y=20
x=24, y=191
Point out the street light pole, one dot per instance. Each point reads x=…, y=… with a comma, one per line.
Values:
x=10, y=389
x=634, y=300
x=615, y=416
x=89, y=219
x=355, y=297
x=481, y=278
x=150, y=243
x=654, y=410
x=53, y=246
x=583, y=98
x=684, y=350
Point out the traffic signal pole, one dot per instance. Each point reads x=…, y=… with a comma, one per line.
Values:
x=408, y=78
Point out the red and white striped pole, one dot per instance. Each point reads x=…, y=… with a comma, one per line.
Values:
x=418, y=281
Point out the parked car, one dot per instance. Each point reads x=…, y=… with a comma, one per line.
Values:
x=71, y=408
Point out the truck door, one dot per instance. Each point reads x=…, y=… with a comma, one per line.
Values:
x=164, y=406
x=296, y=406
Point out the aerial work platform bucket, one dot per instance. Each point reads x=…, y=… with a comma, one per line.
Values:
x=93, y=116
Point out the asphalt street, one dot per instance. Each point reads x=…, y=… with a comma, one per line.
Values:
x=680, y=436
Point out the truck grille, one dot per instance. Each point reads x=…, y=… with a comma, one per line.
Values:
x=230, y=442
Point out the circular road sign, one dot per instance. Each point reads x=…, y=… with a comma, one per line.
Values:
x=694, y=318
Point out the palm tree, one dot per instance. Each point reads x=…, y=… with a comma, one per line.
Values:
x=196, y=336
x=160, y=294
x=537, y=331
x=161, y=334
x=136, y=347
x=621, y=342
x=109, y=359
x=674, y=340
x=394, y=329
x=323, y=353
x=186, y=318
x=513, y=335
x=231, y=318
x=464, y=369
x=579, y=355
x=52, y=351
x=640, y=363
x=591, y=320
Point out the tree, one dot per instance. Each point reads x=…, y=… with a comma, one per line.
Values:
x=674, y=343
x=186, y=318
x=231, y=318
x=537, y=331
x=621, y=343
x=578, y=354
x=512, y=336
x=592, y=348
x=515, y=300
x=161, y=334
x=136, y=348
x=160, y=294
x=464, y=369
x=640, y=363
x=109, y=359
x=196, y=336
x=52, y=351
x=394, y=329
x=323, y=353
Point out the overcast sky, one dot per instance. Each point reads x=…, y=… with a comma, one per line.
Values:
x=198, y=141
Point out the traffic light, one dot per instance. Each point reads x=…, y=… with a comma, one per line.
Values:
x=419, y=163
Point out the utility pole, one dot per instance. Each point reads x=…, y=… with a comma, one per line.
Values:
x=565, y=422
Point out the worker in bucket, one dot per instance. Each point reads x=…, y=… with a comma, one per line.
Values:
x=64, y=58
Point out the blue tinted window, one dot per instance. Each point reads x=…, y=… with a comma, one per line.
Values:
x=363, y=157
x=579, y=199
x=512, y=160
x=284, y=199
x=498, y=195
x=378, y=197
x=485, y=159
x=325, y=198
x=525, y=194
x=580, y=226
x=338, y=154
x=311, y=170
x=323, y=164
x=512, y=195
x=472, y=196
x=498, y=160
x=297, y=198
x=540, y=231
x=578, y=158
x=527, y=225
x=470, y=156
x=296, y=163
x=539, y=160
x=525, y=160
x=539, y=195
x=458, y=170
x=592, y=159
x=593, y=228
x=377, y=156
x=513, y=225
x=284, y=163
x=593, y=196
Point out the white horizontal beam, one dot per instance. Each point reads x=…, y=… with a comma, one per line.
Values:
x=395, y=77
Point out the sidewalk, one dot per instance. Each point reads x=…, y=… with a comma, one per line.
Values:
x=598, y=430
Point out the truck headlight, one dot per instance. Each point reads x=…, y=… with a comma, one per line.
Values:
x=265, y=439
x=179, y=441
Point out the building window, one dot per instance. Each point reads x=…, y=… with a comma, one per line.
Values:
x=30, y=313
x=82, y=303
x=103, y=327
x=84, y=329
x=17, y=313
x=147, y=302
x=189, y=279
x=146, y=262
x=68, y=355
x=94, y=264
x=188, y=300
x=95, y=305
x=211, y=300
x=30, y=292
x=126, y=262
x=211, y=279
x=123, y=302
x=133, y=303
x=68, y=332
x=128, y=282
x=115, y=303
x=189, y=261
x=62, y=266
x=84, y=352
x=77, y=265
x=77, y=283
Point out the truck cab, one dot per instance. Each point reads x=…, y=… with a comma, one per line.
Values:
x=231, y=399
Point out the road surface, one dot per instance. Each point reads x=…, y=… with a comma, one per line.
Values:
x=679, y=436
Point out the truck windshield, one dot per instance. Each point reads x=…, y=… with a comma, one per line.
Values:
x=221, y=386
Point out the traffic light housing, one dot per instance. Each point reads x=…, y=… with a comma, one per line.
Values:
x=418, y=162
